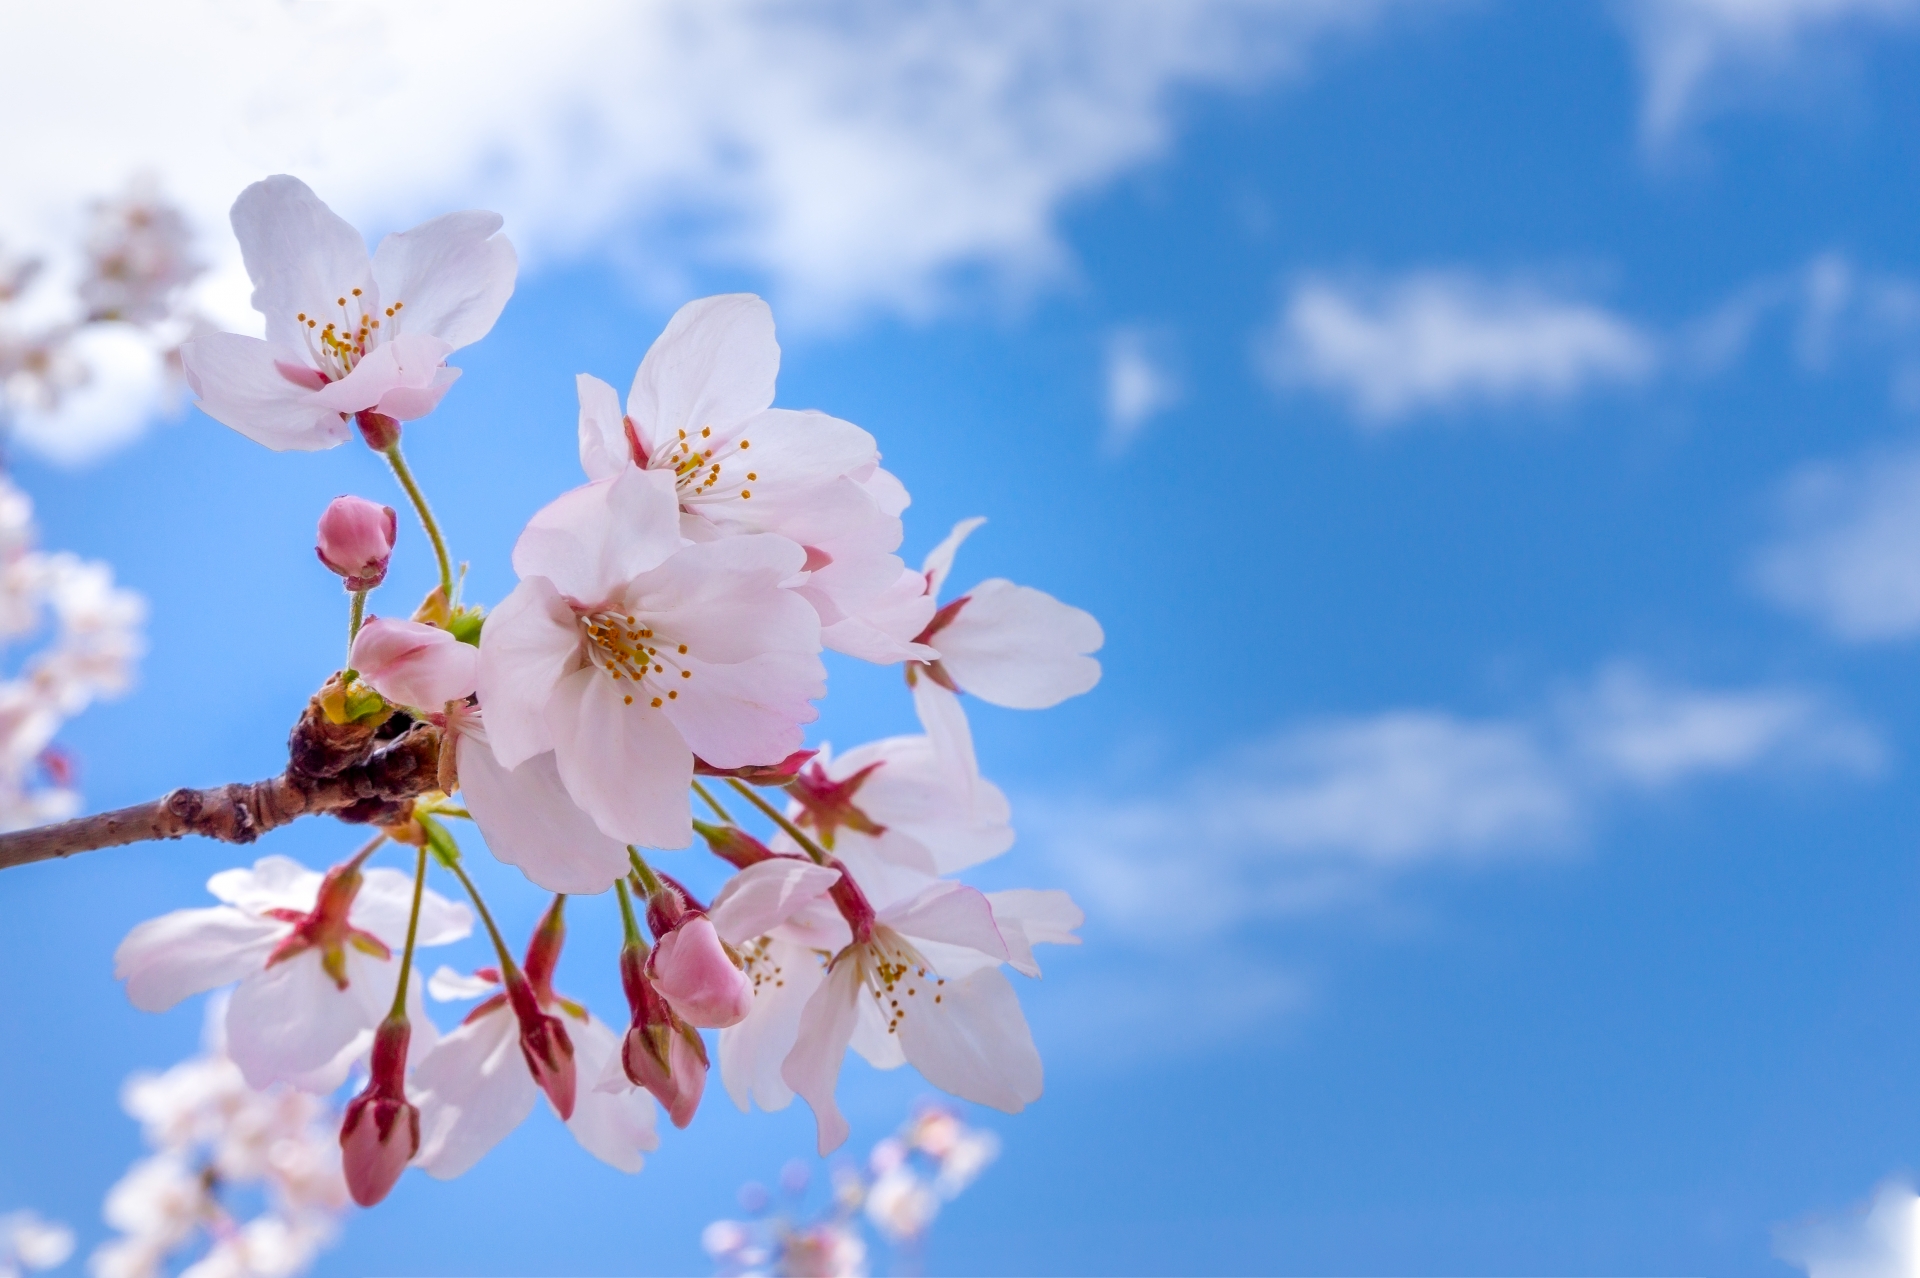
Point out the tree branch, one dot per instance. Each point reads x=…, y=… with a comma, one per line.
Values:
x=379, y=789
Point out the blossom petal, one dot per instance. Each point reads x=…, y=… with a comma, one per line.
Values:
x=1028, y=917
x=713, y=366
x=245, y=383
x=529, y=820
x=939, y=560
x=1020, y=647
x=725, y=599
x=750, y=712
x=401, y=378
x=812, y=1068
x=453, y=274
x=952, y=913
x=604, y=451
x=762, y=897
x=974, y=1043
x=300, y=254
x=626, y=765
x=270, y=883
x=190, y=951
x=753, y=1053
x=615, y=1125
x=414, y=664
x=385, y=901
x=593, y=540
x=291, y=1019
x=529, y=644
x=473, y=1089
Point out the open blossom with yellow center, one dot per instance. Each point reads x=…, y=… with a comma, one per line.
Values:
x=346, y=332
x=700, y=411
x=626, y=651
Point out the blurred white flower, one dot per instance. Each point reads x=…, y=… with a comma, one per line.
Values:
x=29, y=1242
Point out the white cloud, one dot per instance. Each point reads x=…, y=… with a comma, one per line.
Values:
x=1878, y=1239
x=1439, y=339
x=1140, y=384
x=1329, y=813
x=851, y=155
x=1696, y=55
x=1849, y=558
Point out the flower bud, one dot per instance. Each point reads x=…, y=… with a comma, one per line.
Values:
x=660, y=1053
x=356, y=540
x=381, y=1131
x=545, y=1044
x=700, y=980
x=415, y=665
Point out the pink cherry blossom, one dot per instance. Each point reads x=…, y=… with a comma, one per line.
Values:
x=626, y=653
x=700, y=410
x=1012, y=645
x=346, y=333
x=356, y=540
x=312, y=955
x=477, y=1084
x=893, y=1002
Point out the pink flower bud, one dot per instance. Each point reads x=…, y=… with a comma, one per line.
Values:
x=660, y=1053
x=698, y=978
x=381, y=1132
x=415, y=665
x=356, y=541
x=545, y=1044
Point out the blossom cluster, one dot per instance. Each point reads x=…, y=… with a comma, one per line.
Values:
x=91, y=643
x=658, y=660
x=136, y=264
x=908, y=1177
x=217, y=1138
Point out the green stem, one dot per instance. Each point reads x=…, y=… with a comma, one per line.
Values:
x=794, y=832
x=648, y=879
x=355, y=615
x=413, y=930
x=420, y=508
x=714, y=803
x=627, y=921
x=507, y=965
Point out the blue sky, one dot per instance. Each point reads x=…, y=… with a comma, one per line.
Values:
x=1493, y=821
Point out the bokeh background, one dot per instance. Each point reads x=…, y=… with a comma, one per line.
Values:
x=1487, y=431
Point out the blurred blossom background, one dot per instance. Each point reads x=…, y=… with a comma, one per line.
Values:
x=1488, y=431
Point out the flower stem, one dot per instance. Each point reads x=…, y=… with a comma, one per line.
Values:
x=814, y=850
x=649, y=881
x=372, y=846
x=507, y=965
x=420, y=508
x=355, y=615
x=630, y=924
x=714, y=803
x=413, y=930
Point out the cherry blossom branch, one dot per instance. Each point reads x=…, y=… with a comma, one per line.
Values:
x=420, y=507
x=383, y=786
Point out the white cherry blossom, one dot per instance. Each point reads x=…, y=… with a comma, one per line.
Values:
x=312, y=955
x=347, y=333
x=626, y=652
x=700, y=410
x=1012, y=645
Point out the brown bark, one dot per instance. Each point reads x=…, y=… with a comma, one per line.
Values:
x=380, y=788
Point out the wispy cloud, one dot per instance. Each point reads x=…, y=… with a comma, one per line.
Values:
x=1444, y=339
x=1140, y=381
x=1849, y=556
x=1324, y=814
x=1878, y=1239
x=1700, y=55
